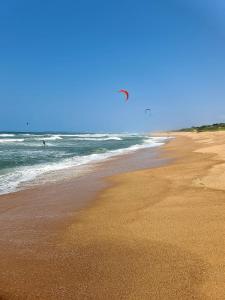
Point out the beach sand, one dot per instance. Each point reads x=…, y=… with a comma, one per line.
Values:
x=156, y=233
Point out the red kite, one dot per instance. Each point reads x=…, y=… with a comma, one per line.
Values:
x=125, y=93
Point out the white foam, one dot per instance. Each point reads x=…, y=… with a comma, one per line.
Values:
x=97, y=135
x=99, y=139
x=49, y=138
x=11, y=140
x=86, y=135
x=6, y=134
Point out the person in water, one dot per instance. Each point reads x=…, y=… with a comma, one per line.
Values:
x=44, y=143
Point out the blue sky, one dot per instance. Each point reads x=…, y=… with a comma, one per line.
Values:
x=62, y=63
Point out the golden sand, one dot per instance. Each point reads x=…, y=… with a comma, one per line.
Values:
x=157, y=233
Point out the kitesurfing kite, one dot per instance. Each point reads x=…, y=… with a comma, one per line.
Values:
x=126, y=94
x=148, y=111
x=27, y=123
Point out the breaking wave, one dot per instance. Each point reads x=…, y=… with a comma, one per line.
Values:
x=23, y=158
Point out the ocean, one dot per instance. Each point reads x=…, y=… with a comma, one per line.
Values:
x=24, y=158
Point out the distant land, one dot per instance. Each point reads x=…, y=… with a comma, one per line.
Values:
x=213, y=127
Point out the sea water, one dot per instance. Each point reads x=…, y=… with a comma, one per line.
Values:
x=24, y=157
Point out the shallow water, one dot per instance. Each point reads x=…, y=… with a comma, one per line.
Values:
x=23, y=156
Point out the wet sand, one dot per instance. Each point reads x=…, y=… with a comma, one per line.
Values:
x=156, y=233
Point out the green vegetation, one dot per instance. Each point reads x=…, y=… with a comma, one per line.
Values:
x=213, y=127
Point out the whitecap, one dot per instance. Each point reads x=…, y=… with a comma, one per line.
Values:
x=49, y=138
x=6, y=134
x=11, y=140
x=99, y=139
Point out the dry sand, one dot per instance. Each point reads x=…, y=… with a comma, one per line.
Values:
x=154, y=234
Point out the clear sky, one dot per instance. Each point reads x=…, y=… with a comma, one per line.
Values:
x=63, y=61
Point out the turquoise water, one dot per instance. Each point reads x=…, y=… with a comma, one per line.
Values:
x=23, y=156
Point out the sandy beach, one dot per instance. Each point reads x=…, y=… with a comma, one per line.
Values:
x=154, y=233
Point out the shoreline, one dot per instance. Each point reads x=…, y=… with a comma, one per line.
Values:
x=149, y=234
x=62, y=170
